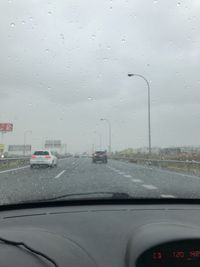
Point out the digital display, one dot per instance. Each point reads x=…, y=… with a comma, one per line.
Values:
x=184, y=253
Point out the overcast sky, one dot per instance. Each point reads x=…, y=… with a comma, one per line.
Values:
x=64, y=65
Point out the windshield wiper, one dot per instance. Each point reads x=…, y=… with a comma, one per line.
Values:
x=86, y=196
x=34, y=251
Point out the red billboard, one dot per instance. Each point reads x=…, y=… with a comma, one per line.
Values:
x=6, y=127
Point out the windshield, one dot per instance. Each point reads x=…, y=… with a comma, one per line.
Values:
x=111, y=87
x=41, y=153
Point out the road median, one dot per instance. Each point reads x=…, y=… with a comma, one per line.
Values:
x=10, y=163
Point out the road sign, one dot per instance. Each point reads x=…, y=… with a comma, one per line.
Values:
x=6, y=127
x=18, y=148
x=53, y=144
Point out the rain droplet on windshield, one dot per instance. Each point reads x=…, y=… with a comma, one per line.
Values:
x=49, y=13
x=111, y=4
x=12, y=24
x=62, y=36
x=178, y=4
x=90, y=98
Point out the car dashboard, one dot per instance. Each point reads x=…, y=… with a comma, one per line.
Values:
x=128, y=235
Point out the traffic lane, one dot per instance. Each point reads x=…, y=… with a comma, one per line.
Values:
x=36, y=183
x=71, y=177
x=98, y=177
x=81, y=176
x=169, y=183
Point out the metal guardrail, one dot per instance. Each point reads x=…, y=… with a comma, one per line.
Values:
x=8, y=159
x=6, y=163
x=176, y=165
x=158, y=160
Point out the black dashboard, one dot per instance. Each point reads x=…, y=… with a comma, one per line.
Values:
x=103, y=235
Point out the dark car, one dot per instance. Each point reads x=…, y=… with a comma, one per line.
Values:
x=99, y=156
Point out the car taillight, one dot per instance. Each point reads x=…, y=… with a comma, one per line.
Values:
x=47, y=157
x=33, y=157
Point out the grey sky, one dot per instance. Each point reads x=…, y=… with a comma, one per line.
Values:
x=64, y=65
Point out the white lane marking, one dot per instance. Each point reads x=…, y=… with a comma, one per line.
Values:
x=167, y=196
x=127, y=176
x=121, y=173
x=113, y=169
x=154, y=168
x=149, y=186
x=180, y=174
x=16, y=169
x=61, y=173
x=137, y=181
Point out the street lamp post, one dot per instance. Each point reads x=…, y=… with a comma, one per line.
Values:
x=109, y=128
x=149, y=107
x=25, y=133
x=100, y=139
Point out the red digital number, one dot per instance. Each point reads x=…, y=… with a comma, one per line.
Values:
x=194, y=253
x=178, y=254
x=157, y=256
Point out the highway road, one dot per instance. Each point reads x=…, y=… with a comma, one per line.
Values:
x=78, y=175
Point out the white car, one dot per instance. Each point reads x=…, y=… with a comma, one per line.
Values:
x=43, y=157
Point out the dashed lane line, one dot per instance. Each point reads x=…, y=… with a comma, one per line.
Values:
x=61, y=173
x=121, y=173
x=127, y=176
x=185, y=175
x=149, y=186
x=115, y=170
x=137, y=181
